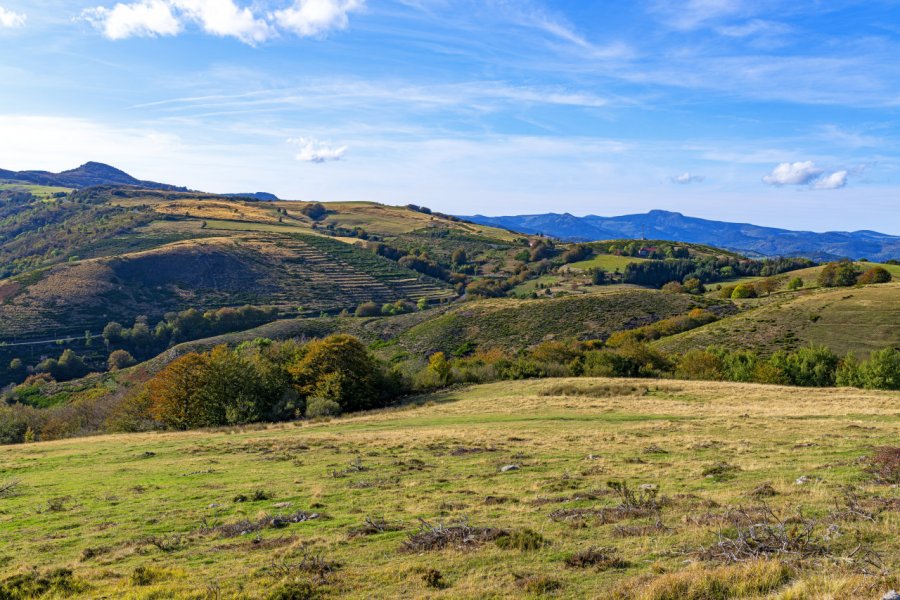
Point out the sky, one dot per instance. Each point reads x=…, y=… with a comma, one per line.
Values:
x=784, y=114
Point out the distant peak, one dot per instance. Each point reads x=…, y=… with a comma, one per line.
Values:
x=98, y=167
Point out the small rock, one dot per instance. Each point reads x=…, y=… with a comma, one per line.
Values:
x=593, y=457
x=507, y=468
x=891, y=595
x=649, y=487
x=282, y=505
x=213, y=505
x=804, y=479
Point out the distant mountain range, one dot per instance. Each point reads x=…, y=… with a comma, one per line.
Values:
x=749, y=239
x=264, y=196
x=752, y=240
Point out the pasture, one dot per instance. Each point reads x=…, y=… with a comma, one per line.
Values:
x=499, y=490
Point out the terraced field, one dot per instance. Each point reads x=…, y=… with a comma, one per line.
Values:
x=288, y=271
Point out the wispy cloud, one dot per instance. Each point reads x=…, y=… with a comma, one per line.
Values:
x=687, y=15
x=687, y=178
x=10, y=19
x=314, y=151
x=224, y=18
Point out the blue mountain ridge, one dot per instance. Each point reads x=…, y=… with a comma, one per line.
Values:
x=746, y=238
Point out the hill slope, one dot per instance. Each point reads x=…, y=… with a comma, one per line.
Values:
x=87, y=175
x=743, y=237
x=856, y=320
x=167, y=514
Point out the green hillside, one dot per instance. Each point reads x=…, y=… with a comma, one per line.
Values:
x=514, y=324
x=858, y=320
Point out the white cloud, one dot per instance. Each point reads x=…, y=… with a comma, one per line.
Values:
x=832, y=181
x=798, y=173
x=226, y=18
x=686, y=178
x=314, y=17
x=10, y=19
x=312, y=150
x=148, y=18
x=806, y=173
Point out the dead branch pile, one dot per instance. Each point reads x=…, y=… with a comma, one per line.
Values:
x=459, y=535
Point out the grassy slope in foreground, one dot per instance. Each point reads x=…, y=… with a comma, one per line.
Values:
x=94, y=504
x=858, y=320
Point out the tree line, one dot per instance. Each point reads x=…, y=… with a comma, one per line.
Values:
x=271, y=381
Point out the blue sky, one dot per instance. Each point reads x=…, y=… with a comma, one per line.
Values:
x=777, y=113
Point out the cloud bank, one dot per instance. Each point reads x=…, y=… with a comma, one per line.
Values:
x=223, y=18
x=806, y=173
x=10, y=19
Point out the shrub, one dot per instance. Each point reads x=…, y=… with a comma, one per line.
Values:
x=700, y=364
x=339, y=368
x=814, y=366
x=875, y=275
x=693, y=285
x=795, y=283
x=523, y=539
x=314, y=211
x=673, y=287
x=743, y=290
x=885, y=464
x=836, y=274
x=848, y=372
x=882, y=370
x=368, y=309
x=322, y=407
x=119, y=359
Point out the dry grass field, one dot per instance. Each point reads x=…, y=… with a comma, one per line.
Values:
x=494, y=491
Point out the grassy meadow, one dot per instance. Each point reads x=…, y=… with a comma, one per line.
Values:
x=491, y=491
x=858, y=320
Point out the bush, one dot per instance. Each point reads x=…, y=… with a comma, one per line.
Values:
x=743, y=290
x=882, y=370
x=368, y=309
x=673, y=287
x=795, y=284
x=339, y=368
x=848, y=372
x=700, y=364
x=875, y=275
x=839, y=274
x=322, y=407
x=522, y=539
x=314, y=211
x=815, y=366
x=119, y=359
